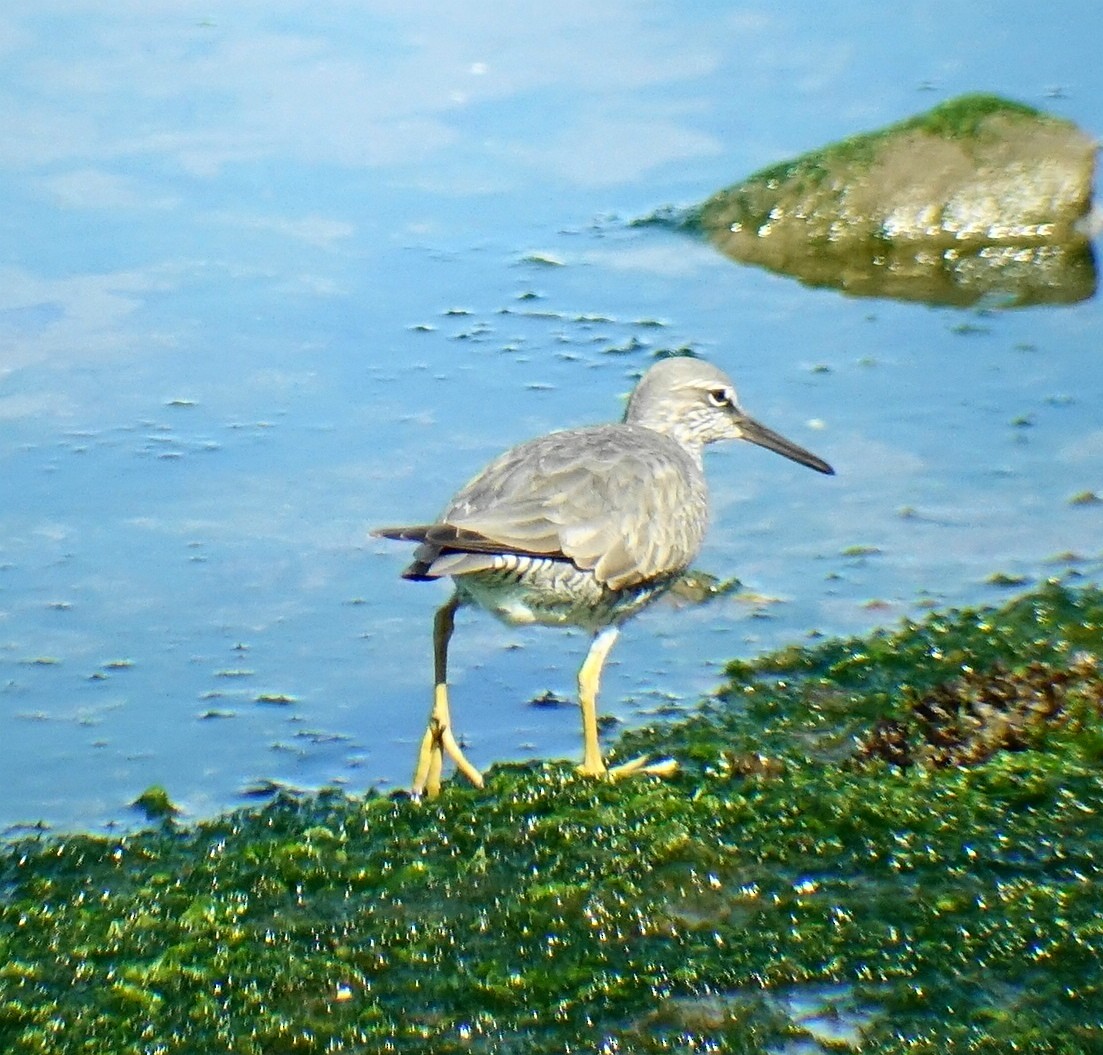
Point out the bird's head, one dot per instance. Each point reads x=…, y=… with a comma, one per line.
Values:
x=695, y=403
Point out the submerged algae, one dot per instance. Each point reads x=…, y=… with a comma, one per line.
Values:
x=945, y=909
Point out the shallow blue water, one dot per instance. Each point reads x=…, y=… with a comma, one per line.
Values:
x=271, y=279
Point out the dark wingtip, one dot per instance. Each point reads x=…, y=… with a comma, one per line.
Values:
x=405, y=533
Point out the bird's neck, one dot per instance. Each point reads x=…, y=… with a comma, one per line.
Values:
x=676, y=429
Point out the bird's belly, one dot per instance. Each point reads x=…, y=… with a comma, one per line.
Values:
x=526, y=590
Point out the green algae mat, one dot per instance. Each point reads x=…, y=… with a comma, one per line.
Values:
x=881, y=845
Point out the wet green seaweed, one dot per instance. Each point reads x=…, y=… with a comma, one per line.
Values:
x=943, y=909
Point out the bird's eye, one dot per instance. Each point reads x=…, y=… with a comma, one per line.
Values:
x=720, y=397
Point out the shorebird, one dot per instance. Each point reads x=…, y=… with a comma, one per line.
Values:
x=582, y=528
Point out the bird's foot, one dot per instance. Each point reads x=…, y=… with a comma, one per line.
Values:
x=664, y=767
x=642, y=766
x=437, y=742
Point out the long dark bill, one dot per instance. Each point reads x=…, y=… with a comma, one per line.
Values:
x=758, y=434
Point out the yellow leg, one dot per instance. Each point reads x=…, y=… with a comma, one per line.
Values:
x=589, y=681
x=439, y=738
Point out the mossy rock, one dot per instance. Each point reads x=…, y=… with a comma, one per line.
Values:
x=979, y=197
x=798, y=887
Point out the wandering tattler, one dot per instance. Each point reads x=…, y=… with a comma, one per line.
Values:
x=582, y=528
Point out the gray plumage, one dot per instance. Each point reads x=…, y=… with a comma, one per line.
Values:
x=583, y=527
x=624, y=505
x=588, y=496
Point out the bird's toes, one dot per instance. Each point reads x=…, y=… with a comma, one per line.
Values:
x=665, y=767
x=593, y=770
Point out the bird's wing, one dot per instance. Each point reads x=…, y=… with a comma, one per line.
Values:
x=622, y=501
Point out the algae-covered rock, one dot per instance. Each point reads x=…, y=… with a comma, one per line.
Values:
x=155, y=803
x=977, y=197
x=888, y=845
